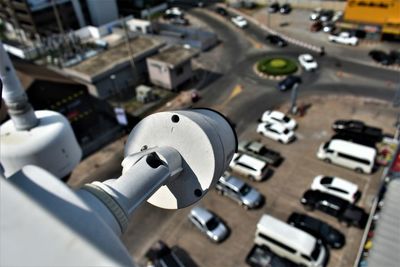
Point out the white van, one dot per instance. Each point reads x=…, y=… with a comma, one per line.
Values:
x=290, y=242
x=354, y=156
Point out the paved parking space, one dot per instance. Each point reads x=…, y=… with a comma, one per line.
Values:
x=284, y=189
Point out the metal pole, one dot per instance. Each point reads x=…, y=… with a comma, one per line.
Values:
x=293, y=107
x=269, y=16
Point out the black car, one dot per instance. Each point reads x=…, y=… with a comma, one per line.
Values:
x=318, y=229
x=261, y=256
x=289, y=82
x=276, y=40
x=346, y=124
x=162, y=255
x=326, y=15
x=258, y=150
x=222, y=11
x=359, y=130
x=336, y=207
x=285, y=9
x=381, y=57
x=273, y=8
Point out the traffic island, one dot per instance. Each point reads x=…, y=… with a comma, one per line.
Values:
x=275, y=68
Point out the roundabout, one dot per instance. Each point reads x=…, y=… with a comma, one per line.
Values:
x=276, y=66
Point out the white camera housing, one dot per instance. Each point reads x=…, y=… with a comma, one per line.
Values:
x=204, y=139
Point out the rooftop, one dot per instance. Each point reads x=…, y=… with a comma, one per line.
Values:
x=114, y=56
x=174, y=55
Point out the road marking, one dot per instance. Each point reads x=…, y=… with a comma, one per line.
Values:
x=235, y=92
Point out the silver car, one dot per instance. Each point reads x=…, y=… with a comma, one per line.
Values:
x=239, y=191
x=209, y=223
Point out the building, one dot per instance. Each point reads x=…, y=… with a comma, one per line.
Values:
x=116, y=69
x=171, y=67
x=373, y=19
x=141, y=8
x=92, y=120
x=33, y=18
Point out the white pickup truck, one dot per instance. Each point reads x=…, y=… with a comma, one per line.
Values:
x=344, y=38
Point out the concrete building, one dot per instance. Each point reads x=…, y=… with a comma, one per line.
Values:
x=32, y=18
x=116, y=69
x=92, y=120
x=373, y=19
x=171, y=67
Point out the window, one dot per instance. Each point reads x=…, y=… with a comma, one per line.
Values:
x=337, y=189
x=277, y=243
x=326, y=145
x=246, y=166
x=305, y=257
x=359, y=160
x=326, y=180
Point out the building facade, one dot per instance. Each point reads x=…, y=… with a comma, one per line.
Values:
x=171, y=68
x=373, y=19
x=45, y=17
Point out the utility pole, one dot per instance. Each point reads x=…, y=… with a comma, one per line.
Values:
x=131, y=59
x=293, y=106
x=396, y=104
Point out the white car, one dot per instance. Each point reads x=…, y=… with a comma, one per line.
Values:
x=209, y=223
x=344, y=38
x=308, y=62
x=338, y=15
x=239, y=21
x=336, y=186
x=251, y=167
x=276, y=131
x=274, y=116
x=176, y=11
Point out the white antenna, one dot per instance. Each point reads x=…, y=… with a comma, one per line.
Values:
x=43, y=138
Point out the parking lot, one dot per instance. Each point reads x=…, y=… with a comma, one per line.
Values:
x=284, y=189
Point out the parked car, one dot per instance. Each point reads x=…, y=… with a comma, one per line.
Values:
x=276, y=40
x=340, y=125
x=262, y=256
x=336, y=207
x=316, y=26
x=259, y=151
x=276, y=132
x=395, y=55
x=239, y=21
x=274, y=7
x=328, y=27
x=209, y=224
x=240, y=192
x=326, y=15
x=285, y=9
x=251, y=167
x=359, y=128
x=289, y=82
x=317, y=228
x=344, y=38
x=160, y=255
x=337, y=186
x=222, y=11
x=274, y=116
x=381, y=57
x=315, y=14
x=308, y=62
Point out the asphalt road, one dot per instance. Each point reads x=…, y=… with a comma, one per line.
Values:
x=259, y=94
